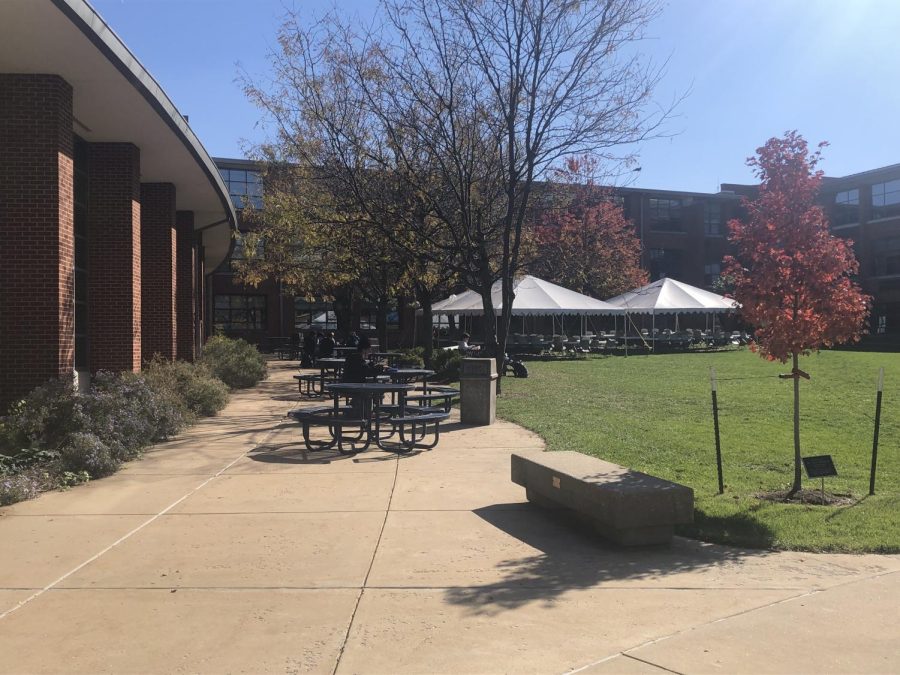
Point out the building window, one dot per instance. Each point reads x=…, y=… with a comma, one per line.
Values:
x=887, y=256
x=240, y=312
x=886, y=199
x=315, y=315
x=664, y=214
x=711, y=273
x=712, y=219
x=243, y=186
x=368, y=319
x=664, y=262
x=846, y=208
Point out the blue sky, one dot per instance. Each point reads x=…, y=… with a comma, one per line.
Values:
x=754, y=68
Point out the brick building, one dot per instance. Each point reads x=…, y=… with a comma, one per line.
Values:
x=111, y=211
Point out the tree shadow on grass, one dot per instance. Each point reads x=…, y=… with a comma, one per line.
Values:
x=571, y=557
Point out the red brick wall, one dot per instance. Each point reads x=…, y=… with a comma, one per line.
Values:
x=186, y=270
x=158, y=244
x=36, y=218
x=114, y=235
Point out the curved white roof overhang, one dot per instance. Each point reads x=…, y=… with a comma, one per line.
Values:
x=117, y=100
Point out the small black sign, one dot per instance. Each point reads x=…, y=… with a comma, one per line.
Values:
x=819, y=466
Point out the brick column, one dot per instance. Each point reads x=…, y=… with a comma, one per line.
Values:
x=114, y=235
x=158, y=243
x=37, y=259
x=185, y=285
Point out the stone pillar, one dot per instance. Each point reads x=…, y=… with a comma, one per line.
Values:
x=114, y=256
x=158, y=273
x=478, y=391
x=37, y=251
x=185, y=285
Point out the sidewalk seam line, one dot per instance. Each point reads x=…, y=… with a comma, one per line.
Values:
x=128, y=535
x=387, y=510
x=690, y=629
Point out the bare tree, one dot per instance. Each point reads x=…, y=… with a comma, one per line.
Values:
x=464, y=104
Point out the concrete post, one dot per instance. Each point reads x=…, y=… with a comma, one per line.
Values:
x=478, y=391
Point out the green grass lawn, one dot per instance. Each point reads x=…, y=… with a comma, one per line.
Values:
x=653, y=414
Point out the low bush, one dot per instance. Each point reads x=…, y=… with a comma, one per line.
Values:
x=85, y=453
x=202, y=393
x=127, y=414
x=236, y=362
x=411, y=358
x=447, y=363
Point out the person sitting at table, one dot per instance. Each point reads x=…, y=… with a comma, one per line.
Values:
x=352, y=339
x=356, y=365
x=327, y=345
x=464, y=347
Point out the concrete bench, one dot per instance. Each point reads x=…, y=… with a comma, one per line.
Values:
x=629, y=507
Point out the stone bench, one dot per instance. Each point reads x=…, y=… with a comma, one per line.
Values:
x=629, y=507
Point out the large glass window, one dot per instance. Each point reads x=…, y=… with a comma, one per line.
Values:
x=664, y=214
x=240, y=312
x=315, y=315
x=711, y=273
x=712, y=219
x=886, y=199
x=846, y=207
x=243, y=185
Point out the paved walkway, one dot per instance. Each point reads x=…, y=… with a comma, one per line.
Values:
x=223, y=551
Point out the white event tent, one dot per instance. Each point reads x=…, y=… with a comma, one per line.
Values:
x=533, y=297
x=668, y=296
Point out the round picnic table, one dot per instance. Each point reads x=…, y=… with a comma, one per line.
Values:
x=366, y=400
x=410, y=376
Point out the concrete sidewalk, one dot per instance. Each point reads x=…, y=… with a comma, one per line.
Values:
x=224, y=551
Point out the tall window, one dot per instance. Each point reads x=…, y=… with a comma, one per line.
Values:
x=82, y=347
x=886, y=199
x=664, y=262
x=711, y=273
x=887, y=256
x=240, y=312
x=664, y=214
x=315, y=315
x=243, y=185
x=712, y=219
x=846, y=208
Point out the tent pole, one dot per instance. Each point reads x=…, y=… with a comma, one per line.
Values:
x=653, y=331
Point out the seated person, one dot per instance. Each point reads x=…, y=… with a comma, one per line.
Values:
x=352, y=339
x=327, y=345
x=357, y=367
x=464, y=347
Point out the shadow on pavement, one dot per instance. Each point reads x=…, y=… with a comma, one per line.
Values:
x=571, y=557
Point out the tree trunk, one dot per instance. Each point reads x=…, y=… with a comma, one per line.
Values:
x=381, y=324
x=797, y=477
x=343, y=301
x=427, y=337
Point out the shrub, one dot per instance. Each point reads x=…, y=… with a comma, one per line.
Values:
x=201, y=393
x=411, y=358
x=44, y=418
x=447, y=363
x=236, y=362
x=127, y=414
x=83, y=452
x=17, y=487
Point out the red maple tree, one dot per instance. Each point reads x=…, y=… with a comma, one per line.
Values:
x=586, y=243
x=792, y=277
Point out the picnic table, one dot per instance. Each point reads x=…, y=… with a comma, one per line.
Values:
x=390, y=357
x=410, y=376
x=352, y=428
